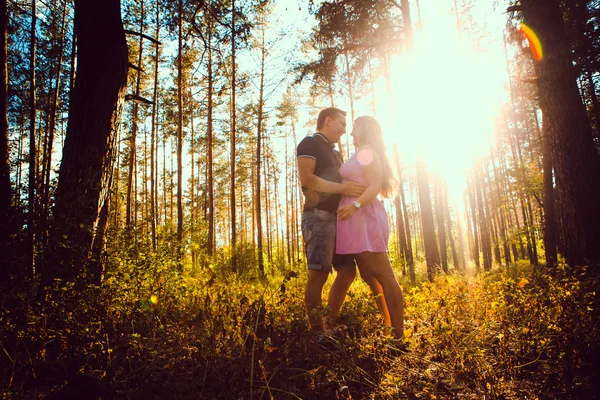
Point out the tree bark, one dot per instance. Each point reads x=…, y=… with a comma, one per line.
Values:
x=576, y=161
x=94, y=112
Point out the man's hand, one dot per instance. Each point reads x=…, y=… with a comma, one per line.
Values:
x=346, y=211
x=353, y=189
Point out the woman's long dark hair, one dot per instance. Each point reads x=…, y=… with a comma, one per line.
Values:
x=374, y=139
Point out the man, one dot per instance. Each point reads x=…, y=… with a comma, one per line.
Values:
x=318, y=164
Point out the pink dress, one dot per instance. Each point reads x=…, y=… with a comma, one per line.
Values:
x=367, y=229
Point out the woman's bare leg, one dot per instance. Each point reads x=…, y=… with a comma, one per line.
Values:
x=378, y=264
x=377, y=290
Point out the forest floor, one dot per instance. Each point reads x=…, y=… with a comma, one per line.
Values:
x=510, y=334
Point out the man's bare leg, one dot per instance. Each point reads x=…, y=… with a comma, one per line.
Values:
x=312, y=298
x=343, y=279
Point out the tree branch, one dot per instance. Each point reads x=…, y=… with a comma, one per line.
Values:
x=150, y=38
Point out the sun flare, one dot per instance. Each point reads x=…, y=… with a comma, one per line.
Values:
x=442, y=107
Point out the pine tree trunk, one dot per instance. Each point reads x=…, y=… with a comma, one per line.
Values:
x=549, y=213
x=439, y=207
x=455, y=259
x=486, y=247
x=473, y=203
x=47, y=164
x=261, y=267
x=31, y=220
x=154, y=132
x=130, y=225
x=576, y=161
x=232, y=139
x=5, y=186
x=180, y=138
x=432, y=255
x=94, y=113
x=209, y=145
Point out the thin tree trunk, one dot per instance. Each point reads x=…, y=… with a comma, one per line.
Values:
x=5, y=186
x=261, y=267
x=446, y=205
x=549, y=214
x=154, y=132
x=474, y=224
x=209, y=145
x=439, y=206
x=31, y=220
x=180, y=137
x=45, y=201
x=486, y=247
x=287, y=204
x=432, y=255
x=232, y=140
x=401, y=226
x=131, y=190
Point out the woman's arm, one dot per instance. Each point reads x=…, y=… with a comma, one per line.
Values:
x=373, y=173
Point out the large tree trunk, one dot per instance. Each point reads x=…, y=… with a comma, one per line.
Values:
x=432, y=254
x=576, y=161
x=94, y=112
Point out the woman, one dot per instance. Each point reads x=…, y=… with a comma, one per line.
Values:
x=362, y=225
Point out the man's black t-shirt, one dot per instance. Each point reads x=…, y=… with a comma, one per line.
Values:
x=328, y=162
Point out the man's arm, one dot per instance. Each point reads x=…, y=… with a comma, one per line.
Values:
x=308, y=179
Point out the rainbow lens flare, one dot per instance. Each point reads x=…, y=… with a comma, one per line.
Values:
x=534, y=41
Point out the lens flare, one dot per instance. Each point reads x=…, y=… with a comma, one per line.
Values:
x=153, y=299
x=534, y=41
x=365, y=157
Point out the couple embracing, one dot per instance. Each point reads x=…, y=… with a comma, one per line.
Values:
x=344, y=224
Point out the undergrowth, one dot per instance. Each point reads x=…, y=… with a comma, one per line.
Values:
x=152, y=332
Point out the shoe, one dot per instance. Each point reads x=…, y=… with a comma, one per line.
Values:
x=397, y=346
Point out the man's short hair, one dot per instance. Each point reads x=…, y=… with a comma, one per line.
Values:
x=331, y=112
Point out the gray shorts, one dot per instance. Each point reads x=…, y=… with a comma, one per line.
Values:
x=318, y=231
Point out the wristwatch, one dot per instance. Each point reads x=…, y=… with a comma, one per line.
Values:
x=356, y=204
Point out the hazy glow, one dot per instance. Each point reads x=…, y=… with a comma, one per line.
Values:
x=443, y=102
x=153, y=299
x=534, y=41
